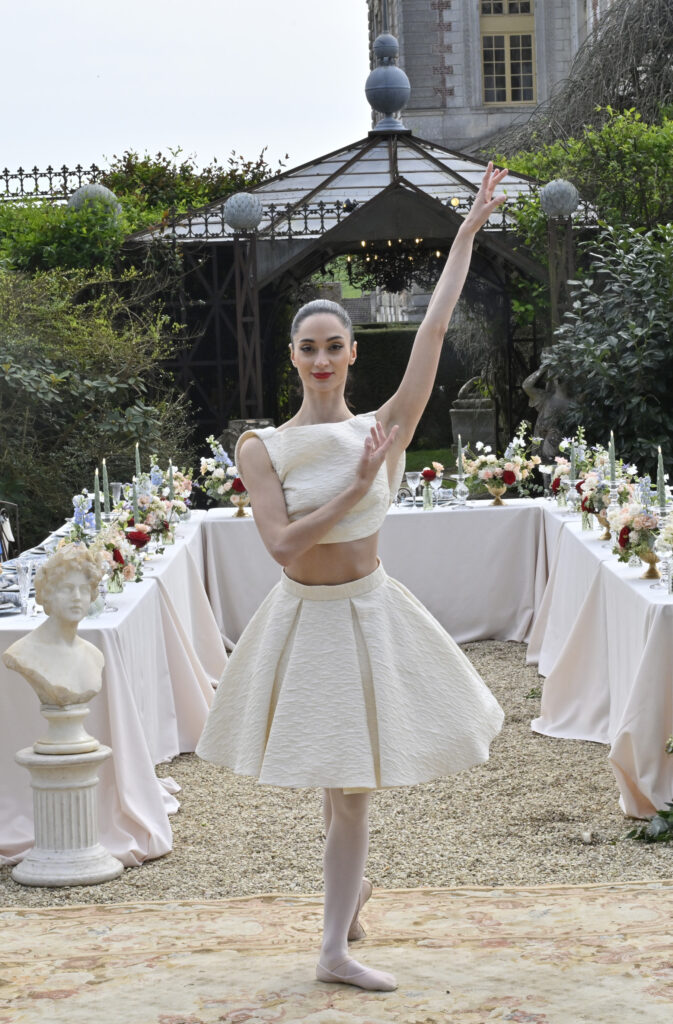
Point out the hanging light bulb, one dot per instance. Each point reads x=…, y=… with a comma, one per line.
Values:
x=348, y=259
x=438, y=254
x=363, y=244
x=455, y=201
x=389, y=242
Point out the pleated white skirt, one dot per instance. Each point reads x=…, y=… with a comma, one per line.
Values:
x=354, y=686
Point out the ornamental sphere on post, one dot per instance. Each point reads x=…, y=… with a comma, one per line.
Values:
x=559, y=199
x=243, y=211
x=88, y=195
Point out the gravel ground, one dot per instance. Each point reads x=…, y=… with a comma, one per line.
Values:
x=517, y=820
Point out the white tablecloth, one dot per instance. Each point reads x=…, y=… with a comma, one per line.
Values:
x=481, y=571
x=604, y=640
x=163, y=650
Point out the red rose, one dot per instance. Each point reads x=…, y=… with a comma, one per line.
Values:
x=117, y=556
x=137, y=538
x=509, y=477
x=238, y=486
x=579, y=485
x=584, y=504
x=623, y=538
x=428, y=474
x=555, y=484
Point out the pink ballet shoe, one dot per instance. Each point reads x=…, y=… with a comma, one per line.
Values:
x=356, y=931
x=356, y=974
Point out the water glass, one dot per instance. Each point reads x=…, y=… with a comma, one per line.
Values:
x=436, y=484
x=24, y=576
x=116, y=489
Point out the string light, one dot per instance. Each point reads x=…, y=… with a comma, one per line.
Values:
x=389, y=242
x=363, y=244
x=437, y=253
x=455, y=201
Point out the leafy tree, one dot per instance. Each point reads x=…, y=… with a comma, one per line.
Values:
x=80, y=379
x=612, y=352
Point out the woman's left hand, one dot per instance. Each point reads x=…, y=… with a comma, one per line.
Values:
x=485, y=202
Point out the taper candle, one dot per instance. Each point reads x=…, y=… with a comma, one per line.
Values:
x=573, y=463
x=137, y=462
x=460, y=455
x=136, y=517
x=106, y=491
x=661, y=485
x=96, y=501
x=613, y=468
x=171, y=487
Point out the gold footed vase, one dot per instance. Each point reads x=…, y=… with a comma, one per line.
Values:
x=652, y=573
x=603, y=520
x=240, y=500
x=497, y=490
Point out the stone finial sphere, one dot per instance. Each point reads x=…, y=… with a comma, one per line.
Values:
x=386, y=47
x=243, y=211
x=559, y=199
x=94, y=194
x=387, y=89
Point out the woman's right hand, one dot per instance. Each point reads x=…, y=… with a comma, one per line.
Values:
x=377, y=446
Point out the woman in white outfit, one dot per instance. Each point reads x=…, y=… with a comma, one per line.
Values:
x=317, y=691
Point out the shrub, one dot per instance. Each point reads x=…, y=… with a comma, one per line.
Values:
x=613, y=351
x=80, y=379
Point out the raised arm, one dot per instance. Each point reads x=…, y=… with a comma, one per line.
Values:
x=407, y=404
x=285, y=540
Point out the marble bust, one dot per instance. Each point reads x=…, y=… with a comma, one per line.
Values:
x=61, y=667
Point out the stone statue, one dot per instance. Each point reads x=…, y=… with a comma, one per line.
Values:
x=61, y=667
x=551, y=402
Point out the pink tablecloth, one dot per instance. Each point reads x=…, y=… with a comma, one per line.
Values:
x=162, y=653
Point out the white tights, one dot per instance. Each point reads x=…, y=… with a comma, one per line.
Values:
x=347, y=831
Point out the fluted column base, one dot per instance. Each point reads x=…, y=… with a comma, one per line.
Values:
x=66, y=850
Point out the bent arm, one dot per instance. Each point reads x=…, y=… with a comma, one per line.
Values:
x=407, y=404
x=284, y=540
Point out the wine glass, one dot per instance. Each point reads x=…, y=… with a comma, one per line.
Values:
x=663, y=549
x=116, y=489
x=436, y=484
x=413, y=479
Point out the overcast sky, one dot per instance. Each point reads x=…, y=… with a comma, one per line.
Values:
x=85, y=79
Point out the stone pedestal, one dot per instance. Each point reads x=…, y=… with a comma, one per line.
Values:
x=66, y=850
x=66, y=733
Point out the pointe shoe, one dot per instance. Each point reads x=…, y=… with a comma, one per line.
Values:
x=356, y=931
x=361, y=977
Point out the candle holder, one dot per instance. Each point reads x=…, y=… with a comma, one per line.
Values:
x=460, y=491
x=614, y=499
x=572, y=497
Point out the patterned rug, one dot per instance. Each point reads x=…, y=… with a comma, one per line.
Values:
x=465, y=956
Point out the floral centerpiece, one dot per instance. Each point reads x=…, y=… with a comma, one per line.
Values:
x=174, y=485
x=429, y=474
x=595, y=497
x=154, y=521
x=497, y=474
x=220, y=480
x=635, y=529
x=118, y=558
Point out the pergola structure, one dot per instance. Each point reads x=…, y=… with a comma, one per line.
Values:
x=389, y=188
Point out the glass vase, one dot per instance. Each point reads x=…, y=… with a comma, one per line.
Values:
x=115, y=584
x=587, y=520
x=427, y=497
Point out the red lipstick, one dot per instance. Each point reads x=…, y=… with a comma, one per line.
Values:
x=322, y=376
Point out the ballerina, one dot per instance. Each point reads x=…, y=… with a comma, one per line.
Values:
x=314, y=693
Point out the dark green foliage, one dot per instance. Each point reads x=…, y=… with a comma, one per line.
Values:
x=80, y=379
x=613, y=351
x=383, y=353
x=624, y=168
x=38, y=236
x=659, y=829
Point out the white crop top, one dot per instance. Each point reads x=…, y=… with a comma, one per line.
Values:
x=316, y=462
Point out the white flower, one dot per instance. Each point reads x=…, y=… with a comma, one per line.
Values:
x=232, y=472
x=221, y=489
x=479, y=445
x=491, y=458
x=218, y=473
x=488, y=449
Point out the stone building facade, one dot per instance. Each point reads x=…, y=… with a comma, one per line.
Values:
x=477, y=65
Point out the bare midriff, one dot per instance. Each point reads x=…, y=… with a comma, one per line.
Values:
x=329, y=564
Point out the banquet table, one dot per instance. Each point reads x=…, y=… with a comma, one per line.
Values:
x=604, y=640
x=481, y=571
x=163, y=653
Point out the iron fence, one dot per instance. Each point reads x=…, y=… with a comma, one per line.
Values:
x=52, y=183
